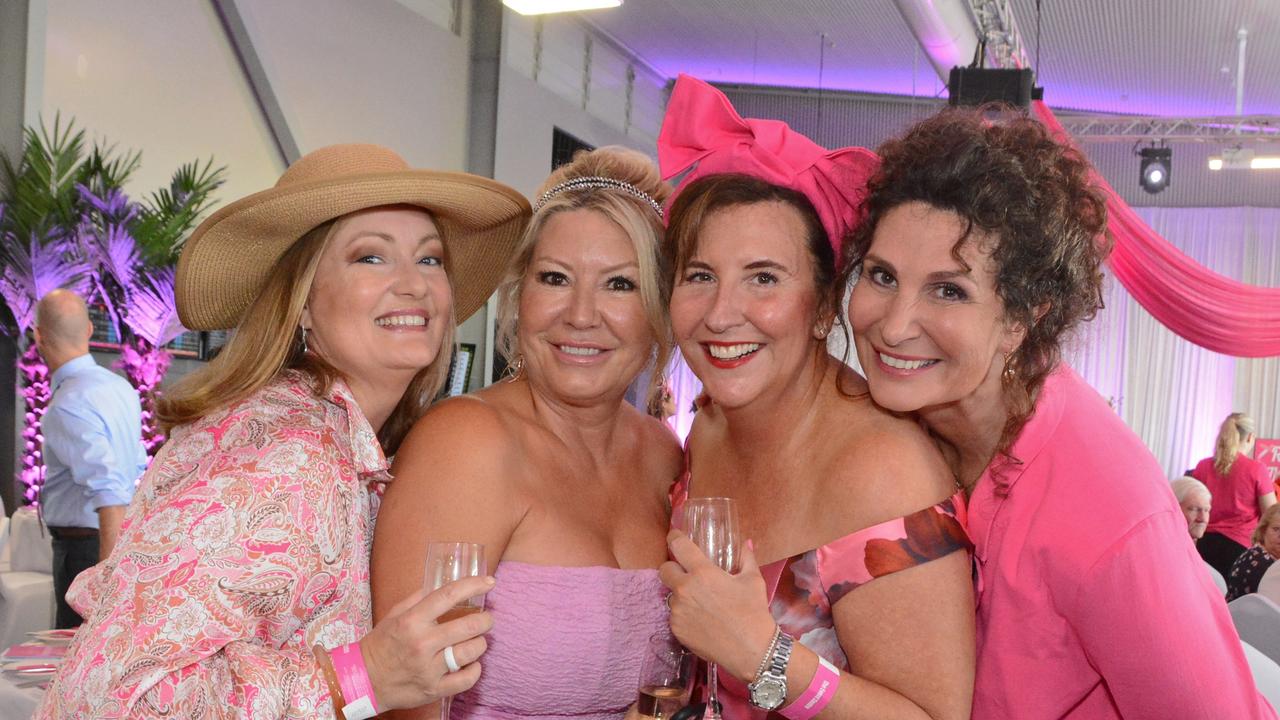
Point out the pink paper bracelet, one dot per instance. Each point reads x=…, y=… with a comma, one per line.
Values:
x=353, y=678
x=815, y=697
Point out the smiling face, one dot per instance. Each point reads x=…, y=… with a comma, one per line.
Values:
x=1196, y=506
x=1271, y=539
x=928, y=331
x=745, y=305
x=583, y=330
x=380, y=301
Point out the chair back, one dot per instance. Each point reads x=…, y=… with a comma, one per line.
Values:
x=1269, y=585
x=1218, y=580
x=30, y=547
x=1257, y=620
x=1266, y=673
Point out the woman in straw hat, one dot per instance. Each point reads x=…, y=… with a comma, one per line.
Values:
x=562, y=480
x=239, y=586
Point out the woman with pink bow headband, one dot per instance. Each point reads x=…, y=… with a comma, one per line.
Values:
x=861, y=603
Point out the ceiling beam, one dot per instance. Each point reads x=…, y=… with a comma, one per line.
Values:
x=1224, y=130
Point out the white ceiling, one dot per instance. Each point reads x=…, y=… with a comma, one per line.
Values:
x=1159, y=57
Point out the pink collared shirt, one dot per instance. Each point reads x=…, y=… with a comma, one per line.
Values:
x=1093, y=602
x=246, y=544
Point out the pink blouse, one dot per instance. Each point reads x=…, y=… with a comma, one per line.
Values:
x=247, y=543
x=1235, y=496
x=1092, y=601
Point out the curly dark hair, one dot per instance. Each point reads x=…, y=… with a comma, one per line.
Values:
x=1032, y=200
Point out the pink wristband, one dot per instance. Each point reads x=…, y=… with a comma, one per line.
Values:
x=815, y=697
x=353, y=678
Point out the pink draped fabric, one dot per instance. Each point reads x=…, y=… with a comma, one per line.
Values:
x=1208, y=309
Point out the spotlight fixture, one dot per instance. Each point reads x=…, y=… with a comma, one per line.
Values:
x=1153, y=173
x=1243, y=159
x=544, y=7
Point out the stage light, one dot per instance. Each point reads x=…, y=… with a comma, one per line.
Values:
x=1215, y=163
x=1265, y=163
x=1153, y=173
x=544, y=7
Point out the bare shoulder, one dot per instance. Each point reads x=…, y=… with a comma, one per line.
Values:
x=462, y=439
x=890, y=458
x=657, y=446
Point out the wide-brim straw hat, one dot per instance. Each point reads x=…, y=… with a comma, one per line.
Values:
x=230, y=255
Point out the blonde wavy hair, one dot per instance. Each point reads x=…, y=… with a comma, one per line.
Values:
x=268, y=341
x=1235, y=430
x=638, y=219
x=1270, y=517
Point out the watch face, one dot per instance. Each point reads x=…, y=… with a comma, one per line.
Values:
x=768, y=693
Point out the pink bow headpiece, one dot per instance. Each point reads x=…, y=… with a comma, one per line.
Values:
x=701, y=127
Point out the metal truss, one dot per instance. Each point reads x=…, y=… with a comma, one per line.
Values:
x=995, y=22
x=1133, y=128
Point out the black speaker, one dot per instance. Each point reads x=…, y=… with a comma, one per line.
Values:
x=975, y=86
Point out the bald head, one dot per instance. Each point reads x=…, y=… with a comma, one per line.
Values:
x=62, y=327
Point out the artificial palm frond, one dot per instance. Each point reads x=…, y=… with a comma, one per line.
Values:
x=36, y=269
x=153, y=311
x=169, y=214
x=104, y=170
x=40, y=189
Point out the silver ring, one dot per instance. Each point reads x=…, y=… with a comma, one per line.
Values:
x=450, y=660
x=668, y=601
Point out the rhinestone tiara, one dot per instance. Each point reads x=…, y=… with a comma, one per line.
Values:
x=594, y=181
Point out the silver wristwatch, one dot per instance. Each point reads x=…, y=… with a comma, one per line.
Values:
x=769, y=690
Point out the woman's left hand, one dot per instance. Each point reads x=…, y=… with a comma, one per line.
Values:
x=722, y=618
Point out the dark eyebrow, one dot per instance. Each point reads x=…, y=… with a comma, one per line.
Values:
x=872, y=259
x=767, y=265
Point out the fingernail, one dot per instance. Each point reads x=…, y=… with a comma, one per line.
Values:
x=751, y=546
x=490, y=581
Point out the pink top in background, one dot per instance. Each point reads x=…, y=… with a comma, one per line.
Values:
x=1235, y=496
x=1093, y=603
x=246, y=544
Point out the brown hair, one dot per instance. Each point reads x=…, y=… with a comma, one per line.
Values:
x=711, y=194
x=268, y=341
x=1231, y=435
x=637, y=218
x=1032, y=198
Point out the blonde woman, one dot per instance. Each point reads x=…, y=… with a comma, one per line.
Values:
x=240, y=583
x=1248, y=569
x=562, y=481
x=1241, y=490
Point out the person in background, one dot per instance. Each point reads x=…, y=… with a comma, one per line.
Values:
x=1241, y=488
x=982, y=251
x=1196, y=502
x=1248, y=569
x=93, y=452
x=240, y=583
x=563, y=482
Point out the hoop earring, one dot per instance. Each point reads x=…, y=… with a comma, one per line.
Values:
x=517, y=369
x=1010, y=371
x=304, y=340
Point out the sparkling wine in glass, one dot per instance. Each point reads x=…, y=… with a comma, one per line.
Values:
x=666, y=678
x=447, y=562
x=713, y=525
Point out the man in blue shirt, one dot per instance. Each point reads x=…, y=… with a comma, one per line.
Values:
x=93, y=451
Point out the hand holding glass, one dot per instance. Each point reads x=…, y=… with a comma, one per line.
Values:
x=713, y=525
x=447, y=562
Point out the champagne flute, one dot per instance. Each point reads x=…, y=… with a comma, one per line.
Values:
x=447, y=562
x=713, y=525
x=666, y=677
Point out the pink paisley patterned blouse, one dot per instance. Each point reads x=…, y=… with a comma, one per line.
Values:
x=247, y=543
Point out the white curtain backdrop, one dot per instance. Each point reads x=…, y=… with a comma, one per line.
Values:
x=1172, y=393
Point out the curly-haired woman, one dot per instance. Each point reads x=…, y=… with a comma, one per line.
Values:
x=981, y=252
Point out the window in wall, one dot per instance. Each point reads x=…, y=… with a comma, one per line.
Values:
x=563, y=146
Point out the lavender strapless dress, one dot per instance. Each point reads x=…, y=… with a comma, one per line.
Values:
x=566, y=642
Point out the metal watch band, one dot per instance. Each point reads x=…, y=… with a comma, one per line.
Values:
x=781, y=656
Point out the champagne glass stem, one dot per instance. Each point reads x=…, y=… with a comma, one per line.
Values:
x=713, y=695
x=446, y=703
